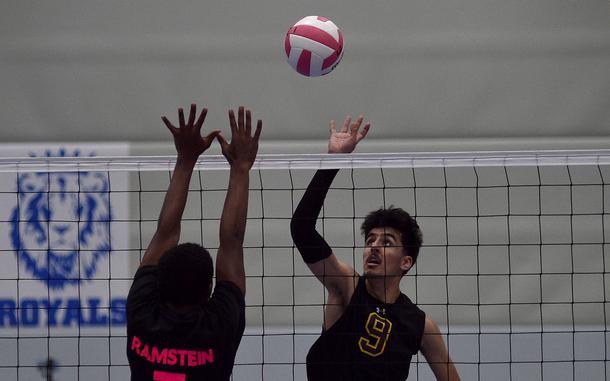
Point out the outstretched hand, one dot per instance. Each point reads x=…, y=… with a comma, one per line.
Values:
x=187, y=137
x=345, y=141
x=241, y=152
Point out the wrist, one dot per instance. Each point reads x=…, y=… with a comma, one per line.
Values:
x=240, y=169
x=339, y=151
x=186, y=161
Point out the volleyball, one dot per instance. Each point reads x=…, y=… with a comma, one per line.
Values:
x=314, y=46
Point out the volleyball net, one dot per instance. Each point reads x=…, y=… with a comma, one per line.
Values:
x=513, y=266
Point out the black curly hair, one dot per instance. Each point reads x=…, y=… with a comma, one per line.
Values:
x=185, y=274
x=398, y=219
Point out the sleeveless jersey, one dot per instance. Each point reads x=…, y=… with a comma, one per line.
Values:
x=372, y=340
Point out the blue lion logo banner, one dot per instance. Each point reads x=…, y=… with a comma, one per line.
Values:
x=60, y=227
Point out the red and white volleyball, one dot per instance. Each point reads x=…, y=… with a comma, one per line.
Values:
x=314, y=46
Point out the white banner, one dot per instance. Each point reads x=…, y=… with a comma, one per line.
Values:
x=64, y=265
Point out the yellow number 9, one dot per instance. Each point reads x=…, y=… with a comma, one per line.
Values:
x=378, y=331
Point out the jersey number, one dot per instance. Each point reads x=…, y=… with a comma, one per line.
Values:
x=377, y=333
x=167, y=376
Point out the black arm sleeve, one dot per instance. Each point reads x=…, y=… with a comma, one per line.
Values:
x=311, y=244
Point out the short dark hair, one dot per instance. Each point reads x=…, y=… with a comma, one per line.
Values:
x=398, y=219
x=185, y=274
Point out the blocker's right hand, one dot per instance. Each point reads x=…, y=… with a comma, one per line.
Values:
x=187, y=137
x=345, y=141
x=241, y=152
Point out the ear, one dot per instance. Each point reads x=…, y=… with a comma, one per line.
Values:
x=406, y=262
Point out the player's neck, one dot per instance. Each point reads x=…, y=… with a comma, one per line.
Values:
x=181, y=308
x=385, y=289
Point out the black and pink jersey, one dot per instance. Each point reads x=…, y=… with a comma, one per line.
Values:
x=166, y=345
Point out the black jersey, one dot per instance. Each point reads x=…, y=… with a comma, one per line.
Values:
x=163, y=344
x=372, y=340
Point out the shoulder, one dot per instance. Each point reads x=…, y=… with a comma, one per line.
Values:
x=360, y=284
x=430, y=327
x=412, y=307
x=226, y=310
x=144, y=283
x=147, y=270
x=348, y=290
x=414, y=319
x=432, y=339
x=228, y=289
x=144, y=297
x=226, y=298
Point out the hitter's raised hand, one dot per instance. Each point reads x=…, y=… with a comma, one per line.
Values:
x=345, y=141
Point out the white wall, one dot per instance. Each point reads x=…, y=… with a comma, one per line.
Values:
x=106, y=71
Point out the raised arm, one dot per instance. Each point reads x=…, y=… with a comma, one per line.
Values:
x=435, y=351
x=189, y=145
x=334, y=274
x=240, y=154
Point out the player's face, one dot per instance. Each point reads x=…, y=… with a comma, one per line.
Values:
x=384, y=253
